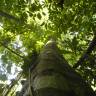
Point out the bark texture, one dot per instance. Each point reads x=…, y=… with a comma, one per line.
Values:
x=53, y=76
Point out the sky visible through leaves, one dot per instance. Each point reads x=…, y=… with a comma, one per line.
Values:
x=26, y=25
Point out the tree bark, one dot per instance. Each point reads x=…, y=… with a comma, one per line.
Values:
x=53, y=76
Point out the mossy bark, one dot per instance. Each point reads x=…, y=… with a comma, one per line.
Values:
x=54, y=77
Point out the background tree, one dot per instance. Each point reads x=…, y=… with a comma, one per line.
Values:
x=26, y=25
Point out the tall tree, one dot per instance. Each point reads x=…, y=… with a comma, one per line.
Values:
x=26, y=26
x=53, y=76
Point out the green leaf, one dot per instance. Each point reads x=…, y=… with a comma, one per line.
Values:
x=74, y=43
x=3, y=77
x=39, y=16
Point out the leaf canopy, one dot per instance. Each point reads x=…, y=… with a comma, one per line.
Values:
x=26, y=25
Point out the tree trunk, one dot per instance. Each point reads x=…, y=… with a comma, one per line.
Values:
x=53, y=76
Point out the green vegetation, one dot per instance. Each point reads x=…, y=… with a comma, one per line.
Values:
x=26, y=26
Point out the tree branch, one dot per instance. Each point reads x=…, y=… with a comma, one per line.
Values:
x=4, y=14
x=13, y=83
x=11, y=50
x=92, y=45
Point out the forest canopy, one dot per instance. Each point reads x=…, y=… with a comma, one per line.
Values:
x=26, y=26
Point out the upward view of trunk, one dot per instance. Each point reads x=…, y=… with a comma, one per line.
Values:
x=53, y=76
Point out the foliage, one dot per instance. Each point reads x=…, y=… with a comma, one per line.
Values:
x=26, y=25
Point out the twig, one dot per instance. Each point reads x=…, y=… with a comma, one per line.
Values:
x=4, y=14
